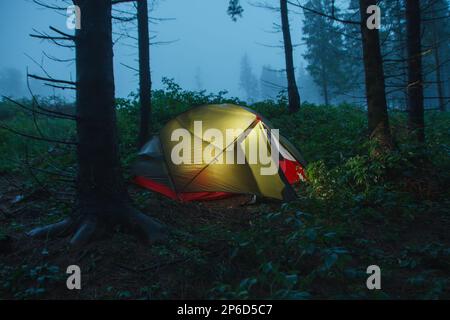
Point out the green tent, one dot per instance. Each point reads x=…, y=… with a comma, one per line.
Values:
x=214, y=151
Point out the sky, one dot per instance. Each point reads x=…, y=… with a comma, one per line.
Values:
x=207, y=43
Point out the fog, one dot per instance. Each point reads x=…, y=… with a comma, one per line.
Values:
x=196, y=43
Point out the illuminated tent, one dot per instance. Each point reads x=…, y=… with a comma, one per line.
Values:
x=220, y=160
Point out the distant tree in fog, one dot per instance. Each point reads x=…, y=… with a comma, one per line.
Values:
x=272, y=82
x=308, y=87
x=12, y=82
x=248, y=80
x=325, y=51
x=294, y=102
x=198, y=79
x=436, y=66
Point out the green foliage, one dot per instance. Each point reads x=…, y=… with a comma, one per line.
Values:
x=357, y=208
x=288, y=250
x=352, y=205
x=38, y=280
x=14, y=148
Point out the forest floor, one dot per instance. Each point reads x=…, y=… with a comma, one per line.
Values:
x=121, y=267
x=357, y=209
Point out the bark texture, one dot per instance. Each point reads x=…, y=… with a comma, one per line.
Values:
x=293, y=95
x=145, y=81
x=416, y=122
x=378, y=120
x=102, y=198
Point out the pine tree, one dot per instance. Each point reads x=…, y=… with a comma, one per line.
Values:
x=102, y=199
x=394, y=53
x=325, y=51
x=145, y=80
x=248, y=80
x=415, y=77
x=198, y=79
x=272, y=82
x=436, y=65
x=292, y=89
x=307, y=85
x=353, y=64
x=378, y=118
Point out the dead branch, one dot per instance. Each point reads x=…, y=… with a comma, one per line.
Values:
x=51, y=80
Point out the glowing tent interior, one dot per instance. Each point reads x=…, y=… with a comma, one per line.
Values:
x=221, y=159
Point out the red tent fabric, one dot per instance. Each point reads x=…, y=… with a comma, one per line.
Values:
x=183, y=196
x=292, y=170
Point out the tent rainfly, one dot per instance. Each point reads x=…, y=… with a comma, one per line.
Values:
x=215, y=151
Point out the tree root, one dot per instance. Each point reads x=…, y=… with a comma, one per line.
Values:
x=53, y=230
x=148, y=228
x=88, y=227
x=86, y=232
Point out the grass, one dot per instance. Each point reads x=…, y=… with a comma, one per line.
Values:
x=356, y=210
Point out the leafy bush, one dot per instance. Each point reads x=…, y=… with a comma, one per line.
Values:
x=357, y=208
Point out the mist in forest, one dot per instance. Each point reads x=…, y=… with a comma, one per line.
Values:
x=346, y=99
x=198, y=45
x=194, y=42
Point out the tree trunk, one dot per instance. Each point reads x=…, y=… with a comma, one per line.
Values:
x=325, y=95
x=102, y=198
x=99, y=172
x=401, y=40
x=145, y=82
x=325, y=87
x=293, y=95
x=416, y=122
x=440, y=89
x=438, y=66
x=378, y=119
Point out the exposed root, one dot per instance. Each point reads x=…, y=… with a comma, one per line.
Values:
x=149, y=229
x=89, y=227
x=85, y=233
x=53, y=230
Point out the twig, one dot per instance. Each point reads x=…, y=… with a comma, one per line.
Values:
x=51, y=79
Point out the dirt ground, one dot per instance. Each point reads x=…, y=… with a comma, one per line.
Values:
x=120, y=267
x=116, y=267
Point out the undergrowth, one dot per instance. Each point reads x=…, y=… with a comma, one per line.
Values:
x=355, y=210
